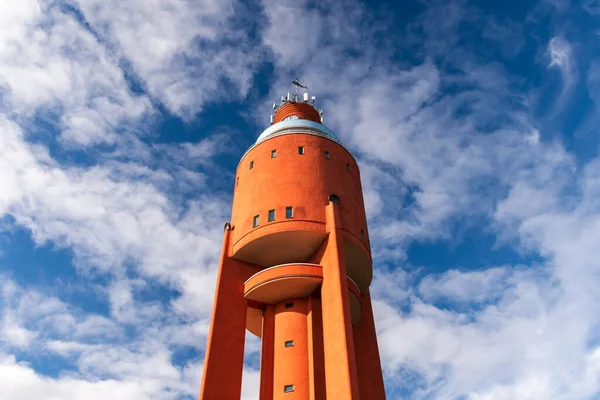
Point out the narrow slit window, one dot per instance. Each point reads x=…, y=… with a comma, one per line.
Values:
x=300, y=149
x=251, y=164
x=289, y=343
x=327, y=156
x=273, y=153
x=362, y=235
x=289, y=212
x=288, y=388
x=289, y=305
x=271, y=215
x=255, y=221
x=237, y=181
x=348, y=167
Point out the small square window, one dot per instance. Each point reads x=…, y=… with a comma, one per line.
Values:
x=251, y=164
x=271, y=215
x=348, y=167
x=289, y=305
x=288, y=388
x=327, y=156
x=300, y=149
x=255, y=221
x=273, y=153
x=289, y=212
x=289, y=343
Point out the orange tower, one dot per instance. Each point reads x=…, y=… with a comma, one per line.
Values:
x=295, y=269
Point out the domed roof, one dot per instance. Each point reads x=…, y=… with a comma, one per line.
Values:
x=296, y=115
x=297, y=110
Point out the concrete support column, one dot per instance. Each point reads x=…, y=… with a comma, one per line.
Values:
x=266, y=354
x=224, y=357
x=340, y=363
x=291, y=361
x=370, y=377
x=316, y=362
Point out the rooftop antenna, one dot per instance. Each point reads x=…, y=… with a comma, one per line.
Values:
x=298, y=84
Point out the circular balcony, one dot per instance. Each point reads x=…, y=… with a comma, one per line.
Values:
x=288, y=281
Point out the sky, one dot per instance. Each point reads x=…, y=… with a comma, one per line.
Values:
x=475, y=126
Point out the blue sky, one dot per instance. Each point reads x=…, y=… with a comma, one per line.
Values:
x=475, y=125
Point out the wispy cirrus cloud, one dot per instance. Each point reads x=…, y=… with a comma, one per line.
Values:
x=560, y=53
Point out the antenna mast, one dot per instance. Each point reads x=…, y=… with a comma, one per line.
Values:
x=298, y=84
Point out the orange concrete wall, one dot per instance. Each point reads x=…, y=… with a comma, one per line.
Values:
x=340, y=362
x=316, y=362
x=291, y=363
x=370, y=379
x=266, y=353
x=302, y=181
x=224, y=357
x=301, y=110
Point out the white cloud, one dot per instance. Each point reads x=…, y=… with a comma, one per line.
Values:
x=561, y=56
x=182, y=51
x=146, y=381
x=107, y=361
x=50, y=63
x=294, y=33
x=83, y=68
x=29, y=316
x=21, y=381
x=458, y=287
x=15, y=335
x=106, y=221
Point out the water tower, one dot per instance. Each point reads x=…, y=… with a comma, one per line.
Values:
x=295, y=269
